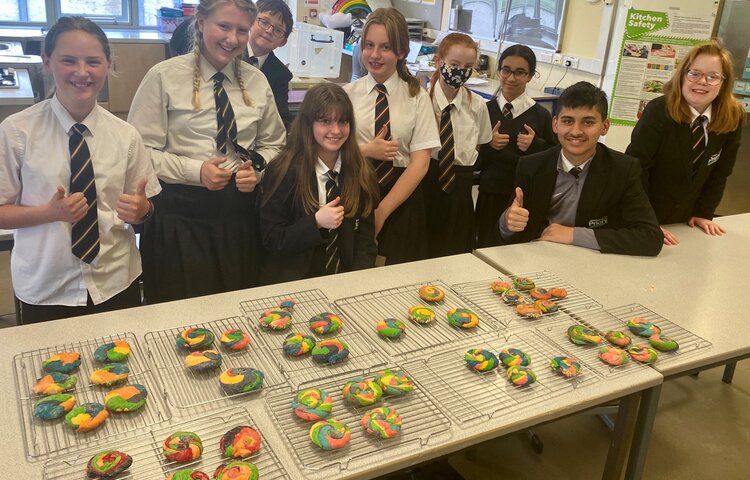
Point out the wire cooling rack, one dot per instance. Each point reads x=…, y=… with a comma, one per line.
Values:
x=308, y=303
x=367, y=309
x=43, y=439
x=148, y=457
x=185, y=388
x=471, y=397
x=422, y=421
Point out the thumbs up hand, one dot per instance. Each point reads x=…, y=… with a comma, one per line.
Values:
x=246, y=177
x=213, y=177
x=524, y=139
x=517, y=217
x=133, y=208
x=67, y=208
x=499, y=140
x=380, y=148
x=330, y=215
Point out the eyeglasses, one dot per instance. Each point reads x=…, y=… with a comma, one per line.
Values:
x=695, y=76
x=278, y=32
x=506, y=72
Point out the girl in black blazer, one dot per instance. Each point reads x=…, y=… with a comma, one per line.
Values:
x=687, y=141
x=317, y=203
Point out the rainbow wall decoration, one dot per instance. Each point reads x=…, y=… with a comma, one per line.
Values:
x=350, y=6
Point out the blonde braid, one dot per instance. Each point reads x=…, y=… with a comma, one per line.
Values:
x=240, y=81
x=197, y=72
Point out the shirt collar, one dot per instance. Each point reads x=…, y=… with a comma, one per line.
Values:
x=519, y=103
x=442, y=100
x=390, y=83
x=694, y=113
x=67, y=121
x=322, y=170
x=565, y=165
x=208, y=71
x=261, y=58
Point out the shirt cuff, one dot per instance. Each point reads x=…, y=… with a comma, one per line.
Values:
x=193, y=171
x=584, y=237
x=505, y=234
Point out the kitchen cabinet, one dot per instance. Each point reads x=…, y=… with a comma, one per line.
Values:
x=130, y=62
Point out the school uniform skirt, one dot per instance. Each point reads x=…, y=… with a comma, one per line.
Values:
x=450, y=216
x=489, y=208
x=403, y=237
x=199, y=242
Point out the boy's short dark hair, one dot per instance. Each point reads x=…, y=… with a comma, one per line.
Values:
x=278, y=7
x=584, y=94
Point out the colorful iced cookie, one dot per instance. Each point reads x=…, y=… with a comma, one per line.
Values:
x=431, y=293
x=54, y=406
x=110, y=374
x=275, y=319
x=287, y=304
x=188, y=474
x=241, y=380
x=566, y=366
x=126, y=399
x=194, y=339
x=203, y=361
x=642, y=354
x=512, y=357
x=662, y=343
x=528, y=310
x=390, y=328
x=546, y=306
x=297, y=344
x=117, y=351
x=107, y=464
x=523, y=284
x=462, y=318
x=182, y=447
x=330, y=434
x=511, y=297
x=420, y=314
x=521, y=376
x=240, y=442
x=312, y=404
x=325, y=323
x=581, y=335
x=235, y=339
x=237, y=470
x=500, y=287
x=559, y=293
x=538, y=293
x=613, y=356
x=54, y=383
x=481, y=360
x=383, y=422
x=641, y=326
x=394, y=382
x=66, y=362
x=86, y=416
x=361, y=392
x=330, y=351
x=617, y=338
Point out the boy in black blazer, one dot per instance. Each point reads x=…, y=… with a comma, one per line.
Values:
x=582, y=193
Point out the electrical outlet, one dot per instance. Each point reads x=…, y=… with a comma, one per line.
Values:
x=571, y=62
x=556, y=59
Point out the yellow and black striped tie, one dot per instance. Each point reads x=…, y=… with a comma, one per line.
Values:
x=383, y=170
x=447, y=153
x=225, y=122
x=85, y=236
x=333, y=260
x=698, y=135
x=508, y=110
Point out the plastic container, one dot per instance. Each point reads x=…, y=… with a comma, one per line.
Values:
x=312, y=51
x=168, y=24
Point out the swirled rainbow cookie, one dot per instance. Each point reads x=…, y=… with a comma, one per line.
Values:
x=642, y=327
x=297, y=344
x=462, y=318
x=538, y=293
x=521, y=376
x=182, y=447
x=511, y=297
x=86, y=416
x=481, y=360
x=110, y=374
x=566, y=366
x=613, y=356
x=195, y=339
x=330, y=351
x=361, y=392
x=325, y=323
x=126, y=399
x=53, y=383
x=240, y=442
x=241, y=380
x=558, y=292
x=237, y=470
x=394, y=382
x=235, y=339
x=54, y=406
x=662, y=343
x=287, y=304
x=643, y=354
x=512, y=357
x=118, y=351
x=500, y=287
x=382, y=422
x=390, y=328
x=523, y=284
x=617, y=338
x=107, y=464
x=581, y=335
x=330, y=434
x=546, y=306
x=420, y=314
x=188, y=474
x=203, y=361
x=528, y=310
x=275, y=319
x=431, y=293
x=312, y=404
x=66, y=362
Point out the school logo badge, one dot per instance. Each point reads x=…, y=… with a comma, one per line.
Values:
x=598, y=222
x=714, y=158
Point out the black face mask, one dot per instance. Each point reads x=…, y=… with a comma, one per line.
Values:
x=455, y=77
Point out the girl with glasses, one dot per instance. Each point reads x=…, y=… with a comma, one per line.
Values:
x=687, y=140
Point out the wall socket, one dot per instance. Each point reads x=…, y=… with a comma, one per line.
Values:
x=556, y=59
x=571, y=62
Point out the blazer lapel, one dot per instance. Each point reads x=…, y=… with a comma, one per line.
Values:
x=543, y=188
x=593, y=189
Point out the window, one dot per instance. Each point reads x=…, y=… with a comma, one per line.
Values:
x=23, y=11
x=147, y=10
x=125, y=13
x=105, y=11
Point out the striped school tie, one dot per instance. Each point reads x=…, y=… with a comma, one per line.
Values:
x=253, y=60
x=85, y=236
x=508, y=110
x=226, y=124
x=383, y=170
x=333, y=261
x=447, y=153
x=699, y=141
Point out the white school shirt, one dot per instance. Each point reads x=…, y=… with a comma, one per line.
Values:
x=520, y=104
x=34, y=160
x=470, y=120
x=179, y=138
x=261, y=58
x=412, y=121
x=321, y=174
x=707, y=113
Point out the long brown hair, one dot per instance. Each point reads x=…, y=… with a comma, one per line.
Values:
x=359, y=187
x=398, y=38
x=726, y=112
x=446, y=43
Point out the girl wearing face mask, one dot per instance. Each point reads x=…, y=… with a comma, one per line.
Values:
x=464, y=124
x=519, y=127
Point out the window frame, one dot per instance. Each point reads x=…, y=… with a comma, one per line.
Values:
x=52, y=8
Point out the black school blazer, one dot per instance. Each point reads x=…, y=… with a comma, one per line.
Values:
x=278, y=77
